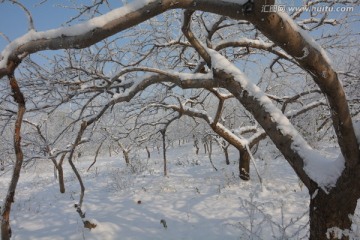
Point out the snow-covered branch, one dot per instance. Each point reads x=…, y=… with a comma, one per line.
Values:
x=98, y=28
x=296, y=150
x=297, y=112
x=253, y=43
x=284, y=32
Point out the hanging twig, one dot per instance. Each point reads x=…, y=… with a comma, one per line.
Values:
x=253, y=161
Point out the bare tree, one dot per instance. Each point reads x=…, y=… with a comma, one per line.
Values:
x=210, y=55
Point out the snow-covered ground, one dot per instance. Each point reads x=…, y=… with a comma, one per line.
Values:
x=196, y=201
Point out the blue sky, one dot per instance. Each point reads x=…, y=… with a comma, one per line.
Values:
x=14, y=22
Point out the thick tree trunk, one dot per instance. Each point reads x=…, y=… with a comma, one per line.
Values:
x=327, y=216
x=332, y=211
x=244, y=164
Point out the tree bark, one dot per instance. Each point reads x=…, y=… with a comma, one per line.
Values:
x=163, y=133
x=83, y=127
x=96, y=155
x=196, y=144
x=6, y=209
x=329, y=211
x=148, y=152
x=61, y=174
x=334, y=209
x=61, y=179
x=126, y=157
x=244, y=164
x=281, y=32
x=226, y=152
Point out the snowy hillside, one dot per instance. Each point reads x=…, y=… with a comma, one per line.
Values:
x=195, y=201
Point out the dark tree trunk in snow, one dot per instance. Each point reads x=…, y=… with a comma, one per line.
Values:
x=196, y=145
x=60, y=170
x=244, y=164
x=333, y=211
x=126, y=157
x=227, y=161
x=148, y=152
x=10, y=196
x=163, y=133
x=61, y=179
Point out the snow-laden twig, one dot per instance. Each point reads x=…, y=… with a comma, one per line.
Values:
x=253, y=161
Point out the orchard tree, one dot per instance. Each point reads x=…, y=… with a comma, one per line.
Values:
x=209, y=59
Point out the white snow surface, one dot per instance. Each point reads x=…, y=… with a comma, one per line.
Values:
x=324, y=170
x=195, y=201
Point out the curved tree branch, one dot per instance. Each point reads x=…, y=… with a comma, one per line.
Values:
x=186, y=29
x=10, y=197
x=278, y=27
x=281, y=29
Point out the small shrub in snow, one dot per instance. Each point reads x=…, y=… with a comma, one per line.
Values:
x=258, y=224
x=187, y=161
x=137, y=165
x=121, y=179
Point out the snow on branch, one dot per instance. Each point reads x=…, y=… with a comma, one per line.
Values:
x=77, y=36
x=310, y=40
x=313, y=58
x=310, y=162
x=98, y=28
x=257, y=43
x=218, y=128
x=183, y=80
x=297, y=112
x=303, y=22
